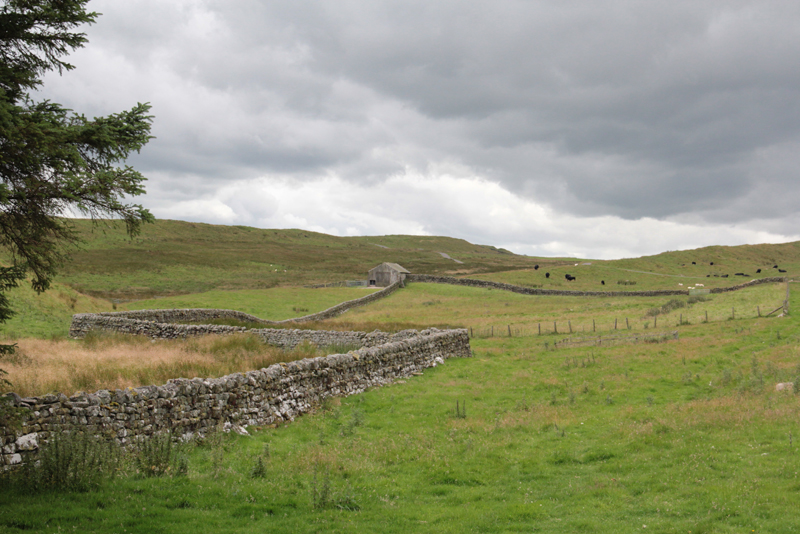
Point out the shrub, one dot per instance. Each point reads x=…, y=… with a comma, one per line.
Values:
x=158, y=455
x=673, y=304
x=69, y=462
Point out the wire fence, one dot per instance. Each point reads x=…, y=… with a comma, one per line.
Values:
x=639, y=328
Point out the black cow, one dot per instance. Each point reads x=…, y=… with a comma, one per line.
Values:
x=712, y=263
x=781, y=270
x=724, y=276
x=535, y=267
x=547, y=275
x=569, y=277
x=602, y=282
x=694, y=263
x=774, y=266
x=758, y=271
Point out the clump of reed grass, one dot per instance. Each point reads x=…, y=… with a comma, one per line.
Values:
x=117, y=361
x=68, y=462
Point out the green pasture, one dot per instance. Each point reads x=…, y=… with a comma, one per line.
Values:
x=275, y=304
x=484, y=309
x=641, y=274
x=46, y=314
x=686, y=435
x=678, y=436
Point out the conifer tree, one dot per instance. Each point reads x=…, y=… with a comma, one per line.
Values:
x=55, y=162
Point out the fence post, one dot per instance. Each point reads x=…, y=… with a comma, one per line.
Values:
x=733, y=313
x=680, y=321
x=615, y=323
x=492, y=331
x=655, y=321
x=555, y=327
x=509, y=330
x=570, y=326
x=594, y=328
x=759, y=310
x=470, y=332
x=627, y=325
x=786, y=302
x=706, y=315
x=540, y=329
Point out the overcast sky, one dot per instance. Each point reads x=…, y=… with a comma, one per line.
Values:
x=598, y=129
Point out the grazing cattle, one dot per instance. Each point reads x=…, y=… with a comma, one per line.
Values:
x=724, y=276
x=740, y=274
x=712, y=263
x=569, y=277
x=547, y=275
x=535, y=267
x=774, y=266
x=694, y=263
x=758, y=271
x=602, y=282
x=781, y=270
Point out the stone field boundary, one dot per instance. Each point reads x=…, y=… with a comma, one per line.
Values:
x=276, y=394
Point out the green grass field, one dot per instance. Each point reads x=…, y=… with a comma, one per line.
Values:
x=686, y=435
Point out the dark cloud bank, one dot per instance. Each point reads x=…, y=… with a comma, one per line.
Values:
x=682, y=112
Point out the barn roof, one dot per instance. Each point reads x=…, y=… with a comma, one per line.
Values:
x=395, y=266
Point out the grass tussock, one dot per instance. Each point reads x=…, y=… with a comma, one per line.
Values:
x=114, y=361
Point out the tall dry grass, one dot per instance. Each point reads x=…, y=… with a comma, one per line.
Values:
x=102, y=361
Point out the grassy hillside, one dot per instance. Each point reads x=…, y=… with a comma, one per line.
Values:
x=174, y=257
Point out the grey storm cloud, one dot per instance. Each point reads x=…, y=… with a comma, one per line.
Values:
x=625, y=108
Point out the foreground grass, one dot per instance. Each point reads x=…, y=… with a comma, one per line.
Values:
x=687, y=435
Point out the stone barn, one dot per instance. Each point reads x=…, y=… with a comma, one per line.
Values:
x=386, y=274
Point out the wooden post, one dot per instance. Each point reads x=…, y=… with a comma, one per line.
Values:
x=627, y=325
x=759, y=310
x=680, y=321
x=733, y=313
x=470, y=332
x=706, y=315
x=492, y=331
x=509, y=330
x=615, y=323
x=555, y=327
x=594, y=327
x=570, y=326
x=540, y=329
x=655, y=321
x=786, y=302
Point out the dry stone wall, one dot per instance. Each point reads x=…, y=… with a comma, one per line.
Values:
x=268, y=396
x=751, y=283
x=162, y=323
x=470, y=282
